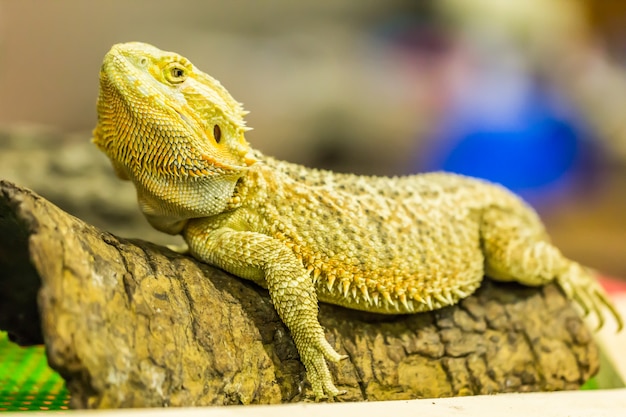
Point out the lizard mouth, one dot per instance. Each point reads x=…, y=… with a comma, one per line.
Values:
x=116, y=63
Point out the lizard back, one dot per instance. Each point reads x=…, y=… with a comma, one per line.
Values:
x=374, y=243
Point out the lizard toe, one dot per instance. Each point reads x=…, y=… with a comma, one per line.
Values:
x=581, y=286
x=314, y=357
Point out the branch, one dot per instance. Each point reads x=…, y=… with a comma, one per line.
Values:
x=131, y=324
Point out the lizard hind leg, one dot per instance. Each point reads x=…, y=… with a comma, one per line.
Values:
x=516, y=249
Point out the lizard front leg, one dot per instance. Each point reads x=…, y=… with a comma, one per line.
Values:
x=269, y=262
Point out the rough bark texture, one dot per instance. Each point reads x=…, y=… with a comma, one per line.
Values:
x=131, y=324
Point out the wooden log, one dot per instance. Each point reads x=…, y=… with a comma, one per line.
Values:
x=131, y=324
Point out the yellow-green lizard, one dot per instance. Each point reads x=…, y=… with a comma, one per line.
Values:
x=384, y=245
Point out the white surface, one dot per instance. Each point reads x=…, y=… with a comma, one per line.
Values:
x=557, y=404
x=614, y=344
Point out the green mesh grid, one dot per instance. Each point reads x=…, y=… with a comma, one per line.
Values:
x=26, y=381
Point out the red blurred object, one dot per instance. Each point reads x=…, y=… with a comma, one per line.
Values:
x=613, y=285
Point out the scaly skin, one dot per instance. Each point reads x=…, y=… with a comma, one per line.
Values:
x=385, y=245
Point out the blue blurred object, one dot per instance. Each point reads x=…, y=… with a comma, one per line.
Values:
x=532, y=144
x=501, y=122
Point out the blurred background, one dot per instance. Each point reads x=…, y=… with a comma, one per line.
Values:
x=528, y=93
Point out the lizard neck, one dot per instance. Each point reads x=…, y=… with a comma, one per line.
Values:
x=254, y=184
x=168, y=203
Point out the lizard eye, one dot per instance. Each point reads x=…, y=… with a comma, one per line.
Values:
x=217, y=133
x=175, y=73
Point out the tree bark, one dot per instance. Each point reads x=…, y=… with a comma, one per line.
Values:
x=131, y=324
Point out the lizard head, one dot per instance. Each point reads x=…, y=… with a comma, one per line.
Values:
x=158, y=112
x=171, y=129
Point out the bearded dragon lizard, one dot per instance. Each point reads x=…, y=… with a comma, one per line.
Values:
x=384, y=245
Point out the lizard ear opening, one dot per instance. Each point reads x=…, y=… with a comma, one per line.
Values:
x=217, y=133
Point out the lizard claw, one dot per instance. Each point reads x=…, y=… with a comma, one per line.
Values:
x=314, y=358
x=580, y=285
